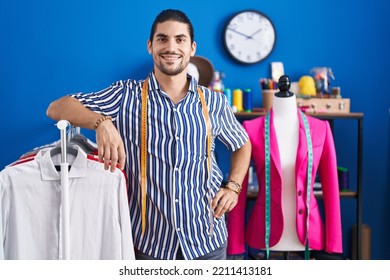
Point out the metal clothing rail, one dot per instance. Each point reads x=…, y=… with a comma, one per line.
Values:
x=65, y=213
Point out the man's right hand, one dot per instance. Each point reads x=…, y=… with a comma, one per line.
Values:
x=110, y=146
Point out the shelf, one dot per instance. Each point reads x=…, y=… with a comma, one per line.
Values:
x=343, y=194
x=318, y=194
x=258, y=112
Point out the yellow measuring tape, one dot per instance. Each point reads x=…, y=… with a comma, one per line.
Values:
x=144, y=151
x=208, y=127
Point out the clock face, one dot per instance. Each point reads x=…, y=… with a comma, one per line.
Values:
x=249, y=37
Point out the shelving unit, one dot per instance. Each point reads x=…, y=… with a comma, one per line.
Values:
x=350, y=194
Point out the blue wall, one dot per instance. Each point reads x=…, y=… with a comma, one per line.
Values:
x=52, y=48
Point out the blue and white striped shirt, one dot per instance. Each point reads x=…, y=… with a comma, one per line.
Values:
x=177, y=206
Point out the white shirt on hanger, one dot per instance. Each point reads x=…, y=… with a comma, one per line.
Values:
x=30, y=216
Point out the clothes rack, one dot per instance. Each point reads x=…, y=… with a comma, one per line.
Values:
x=62, y=125
x=82, y=210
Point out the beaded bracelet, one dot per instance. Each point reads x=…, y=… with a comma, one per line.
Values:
x=102, y=119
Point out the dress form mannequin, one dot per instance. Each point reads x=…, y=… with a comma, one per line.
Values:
x=282, y=223
x=286, y=125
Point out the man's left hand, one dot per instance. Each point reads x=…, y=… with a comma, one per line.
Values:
x=224, y=201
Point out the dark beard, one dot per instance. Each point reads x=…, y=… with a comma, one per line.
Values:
x=169, y=72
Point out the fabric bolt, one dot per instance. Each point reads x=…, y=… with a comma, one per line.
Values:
x=177, y=206
x=30, y=207
x=323, y=234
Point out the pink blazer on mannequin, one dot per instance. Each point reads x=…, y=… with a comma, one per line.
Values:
x=322, y=236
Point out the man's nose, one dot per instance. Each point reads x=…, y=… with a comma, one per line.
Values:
x=171, y=45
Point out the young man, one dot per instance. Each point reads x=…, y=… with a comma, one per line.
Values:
x=162, y=124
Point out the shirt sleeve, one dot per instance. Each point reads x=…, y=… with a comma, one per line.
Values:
x=125, y=222
x=106, y=101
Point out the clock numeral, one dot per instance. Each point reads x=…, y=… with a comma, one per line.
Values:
x=232, y=26
x=250, y=16
x=261, y=20
x=248, y=58
x=232, y=47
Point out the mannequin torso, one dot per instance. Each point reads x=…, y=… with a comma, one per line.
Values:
x=286, y=125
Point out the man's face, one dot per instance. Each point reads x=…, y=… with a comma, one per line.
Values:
x=171, y=48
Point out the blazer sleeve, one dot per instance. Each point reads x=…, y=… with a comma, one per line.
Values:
x=330, y=188
x=236, y=222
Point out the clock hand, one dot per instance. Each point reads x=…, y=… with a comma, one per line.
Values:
x=255, y=32
x=246, y=36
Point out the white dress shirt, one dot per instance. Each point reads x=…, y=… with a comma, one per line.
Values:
x=30, y=211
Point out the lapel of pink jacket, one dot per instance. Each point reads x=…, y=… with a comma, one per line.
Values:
x=275, y=156
x=302, y=147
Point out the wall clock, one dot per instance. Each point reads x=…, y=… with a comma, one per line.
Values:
x=249, y=36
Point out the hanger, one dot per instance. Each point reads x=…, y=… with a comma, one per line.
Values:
x=84, y=143
x=70, y=150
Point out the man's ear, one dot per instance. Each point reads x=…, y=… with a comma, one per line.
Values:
x=193, y=49
x=149, y=46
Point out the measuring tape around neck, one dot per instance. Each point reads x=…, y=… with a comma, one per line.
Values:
x=267, y=147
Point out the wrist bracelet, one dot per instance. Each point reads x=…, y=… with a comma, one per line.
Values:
x=102, y=119
x=236, y=188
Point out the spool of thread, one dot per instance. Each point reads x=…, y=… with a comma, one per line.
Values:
x=343, y=174
x=247, y=100
x=237, y=99
x=228, y=94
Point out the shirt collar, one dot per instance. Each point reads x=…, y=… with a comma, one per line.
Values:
x=155, y=86
x=49, y=172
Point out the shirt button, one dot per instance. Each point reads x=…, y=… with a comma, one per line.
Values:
x=177, y=138
x=300, y=211
x=174, y=109
x=176, y=169
x=178, y=229
x=299, y=193
x=176, y=200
